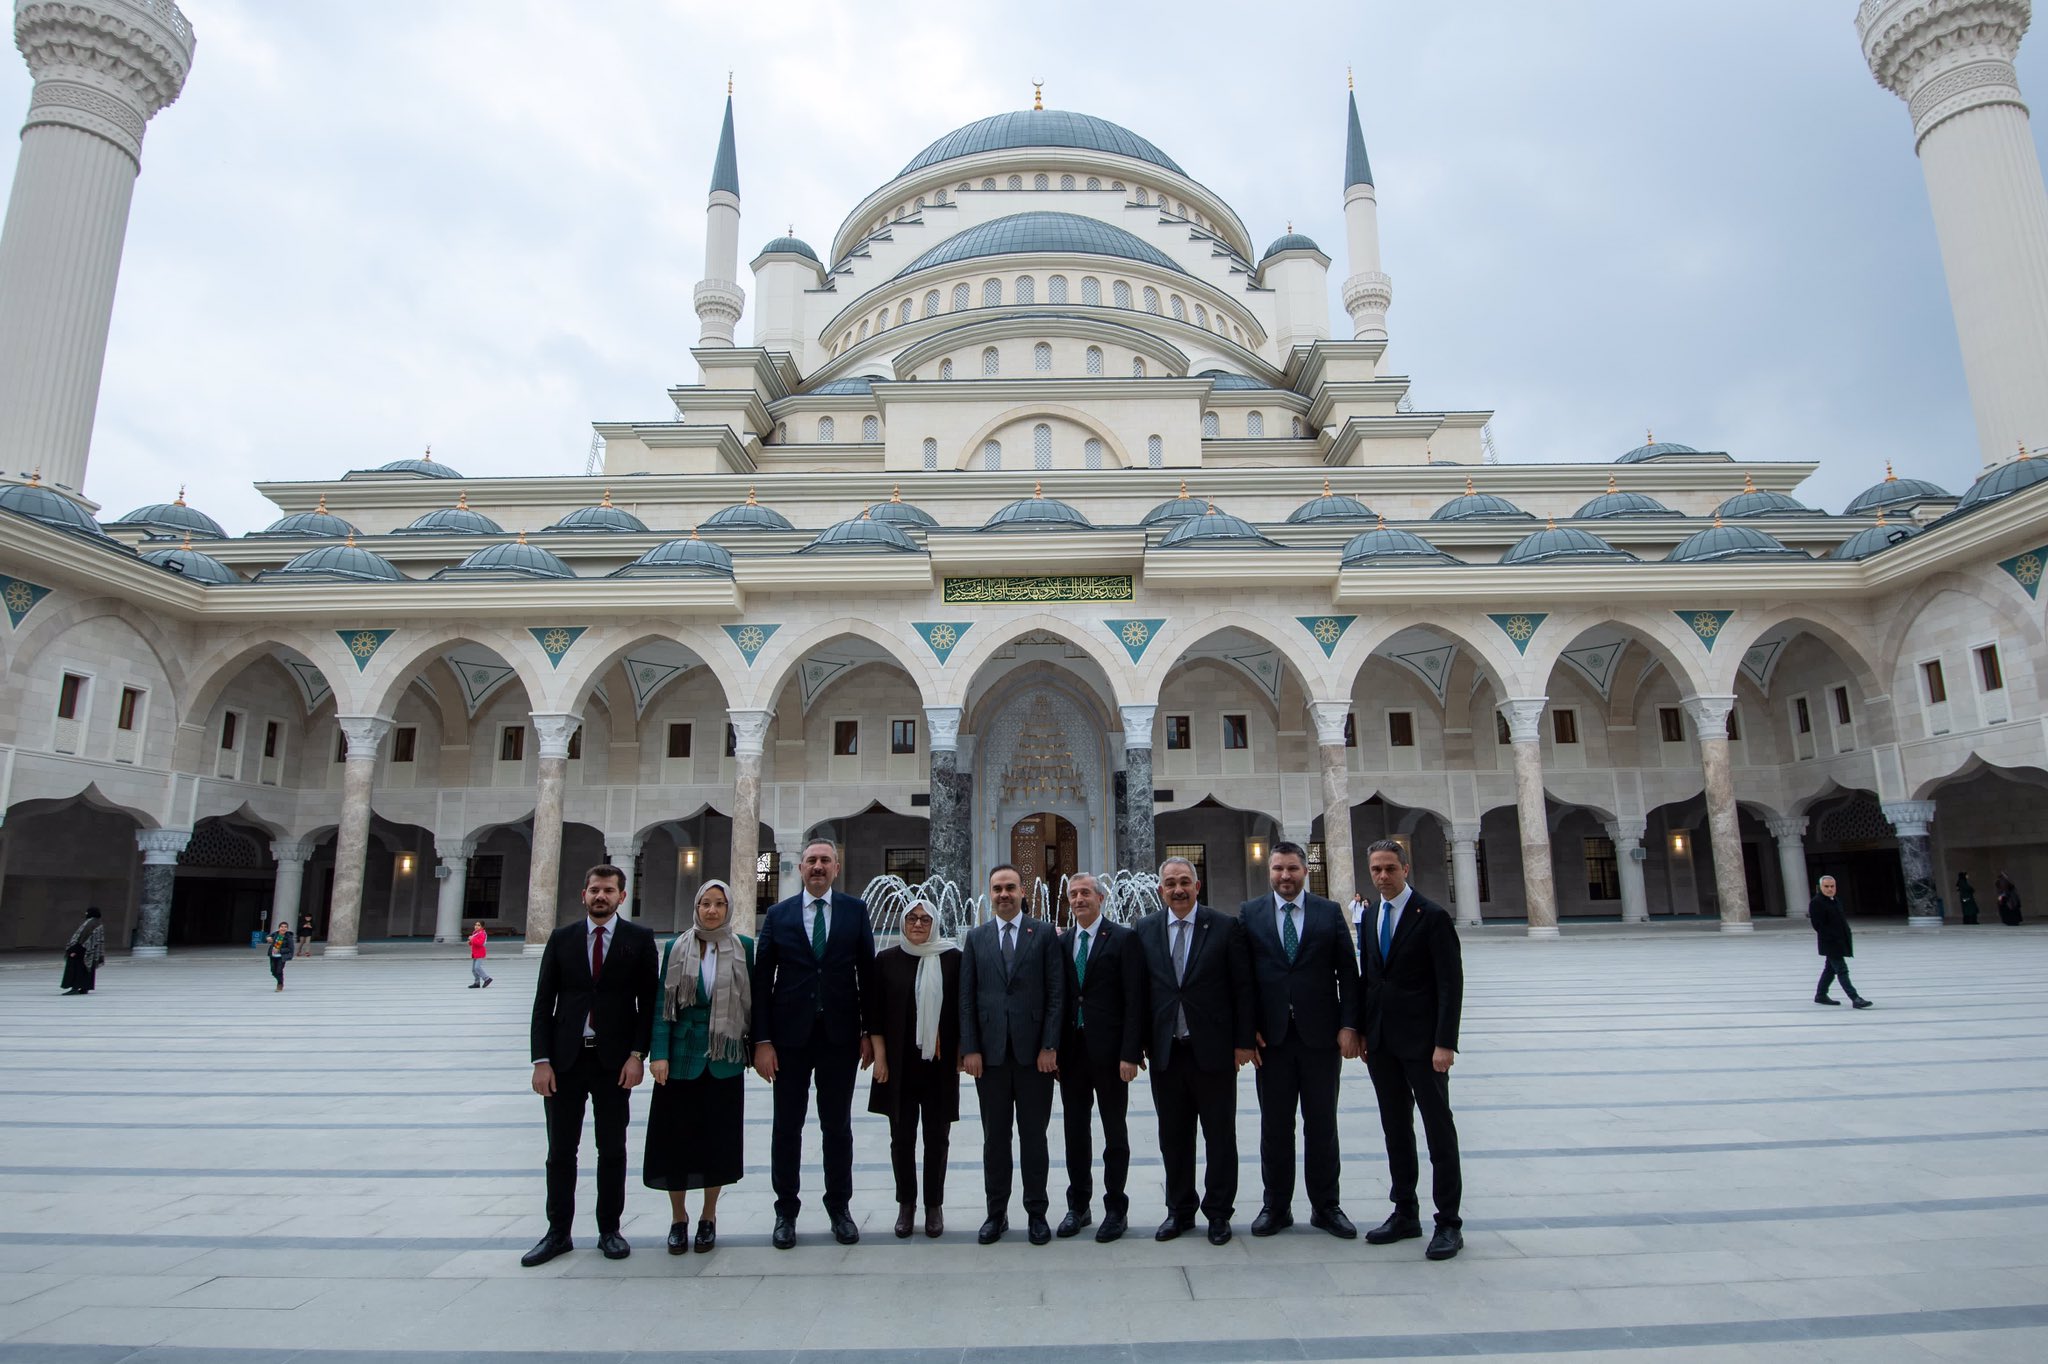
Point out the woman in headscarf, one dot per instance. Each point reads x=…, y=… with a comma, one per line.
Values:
x=696, y=1123
x=2008, y=901
x=920, y=988
x=1966, y=897
x=84, y=953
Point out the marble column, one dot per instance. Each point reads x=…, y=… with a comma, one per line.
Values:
x=453, y=874
x=1464, y=874
x=949, y=841
x=1539, y=886
x=623, y=852
x=544, y=870
x=1137, y=833
x=1910, y=820
x=365, y=735
x=1340, y=872
x=160, y=849
x=1799, y=888
x=1628, y=843
x=750, y=739
x=291, y=861
x=1709, y=716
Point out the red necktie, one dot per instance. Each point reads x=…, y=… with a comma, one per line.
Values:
x=597, y=954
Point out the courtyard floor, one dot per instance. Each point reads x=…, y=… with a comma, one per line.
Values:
x=1670, y=1153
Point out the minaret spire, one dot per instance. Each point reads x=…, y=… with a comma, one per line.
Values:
x=1357, y=167
x=719, y=298
x=1368, y=293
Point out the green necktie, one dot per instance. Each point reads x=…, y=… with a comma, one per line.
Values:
x=1289, y=939
x=1081, y=975
x=818, y=927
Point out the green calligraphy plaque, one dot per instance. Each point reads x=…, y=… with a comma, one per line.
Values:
x=1069, y=587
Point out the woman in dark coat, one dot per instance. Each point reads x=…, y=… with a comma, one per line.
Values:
x=1831, y=933
x=84, y=953
x=920, y=1076
x=1966, y=897
x=2008, y=901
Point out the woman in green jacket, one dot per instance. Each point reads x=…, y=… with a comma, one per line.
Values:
x=697, y=1121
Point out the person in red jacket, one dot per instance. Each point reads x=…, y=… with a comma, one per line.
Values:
x=479, y=947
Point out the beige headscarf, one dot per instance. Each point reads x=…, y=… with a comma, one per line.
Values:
x=931, y=982
x=732, y=993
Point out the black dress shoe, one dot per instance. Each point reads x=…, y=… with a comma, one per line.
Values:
x=1395, y=1228
x=785, y=1233
x=1827, y=999
x=1219, y=1232
x=1860, y=1003
x=934, y=1223
x=476, y=985
x=1447, y=1242
x=1040, y=1231
x=992, y=1230
x=679, y=1238
x=487, y=981
x=547, y=1248
x=614, y=1246
x=1112, y=1227
x=707, y=1235
x=906, y=1220
x=1270, y=1223
x=844, y=1229
x=1334, y=1222
x=1173, y=1227
x=1071, y=1224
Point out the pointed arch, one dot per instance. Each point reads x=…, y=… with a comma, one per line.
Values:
x=786, y=650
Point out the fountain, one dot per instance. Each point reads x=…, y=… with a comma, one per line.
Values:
x=1127, y=896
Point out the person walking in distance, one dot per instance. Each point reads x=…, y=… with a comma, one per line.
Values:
x=84, y=953
x=1832, y=937
x=2008, y=901
x=1966, y=897
x=593, y=1023
x=281, y=947
x=479, y=948
x=1414, y=993
x=1102, y=1043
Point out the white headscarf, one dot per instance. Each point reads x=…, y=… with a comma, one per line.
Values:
x=732, y=992
x=931, y=982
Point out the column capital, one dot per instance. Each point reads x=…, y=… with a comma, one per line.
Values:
x=1330, y=717
x=622, y=848
x=1626, y=831
x=454, y=849
x=1909, y=818
x=1944, y=57
x=160, y=847
x=1137, y=722
x=365, y=735
x=1525, y=717
x=1709, y=714
x=750, y=730
x=554, y=729
x=297, y=850
x=1787, y=826
x=104, y=67
x=1465, y=833
x=942, y=728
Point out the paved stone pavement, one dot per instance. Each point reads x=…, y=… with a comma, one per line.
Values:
x=1670, y=1153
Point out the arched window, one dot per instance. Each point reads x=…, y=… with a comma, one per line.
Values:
x=1120, y=294
x=991, y=454
x=1237, y=333
x=991, y=293
x=1211, y=428
x=1294, y=427
x=1094, y=182
x=931, y=453
x=827, y=431
x=989, y=183
x=846, y=341
x=1201, y=316
x=1091, y=454
x=870, y=428
x=961, y=297
x=946, y=369
x=1141, y=195
x=991, y=363
x=1177, y=308
x=1056, y=289
x=903, y=312
x=920, y=199
x=1041, y=446
x=863, y=331
x=939, y=197
x=1095, y=361
x=1016, y=182
x=1066, y=182
x=881, y=319
x=1255, y=423
x=1027, y=289
x=1180, y=208
x=1117, y=185
x=782, y=433
x=1155, y=453
x=1091, y=291
x=1151, y=300
x=931, y=303
x=1041, y=358
x=1039, y=181
x=1137, y=367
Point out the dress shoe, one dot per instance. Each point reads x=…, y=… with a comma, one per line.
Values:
x=784, y=1235
x=1071, y=1224
x=1219, y=1231
x=1447, y=1242
x=1112, y=1227
x=1270, y=1223
x=934, y=1223
x=1173, y=1227
x=844, y=1229
x=547, y=1248
x=487, y=981
x=614, y=1246
x=1827, y=999
x=1860, y=1003
x=906, y=1220
x=1395, y=1228
x=992, y=1230
x=707, y=1235
x=1334, y=1222
x=1039, y=1229
x=679, y=1237
x=476, y=985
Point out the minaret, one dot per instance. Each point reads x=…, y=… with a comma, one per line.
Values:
x=1951, y=61
x=719, y=296
x=102, y=69
x=1367, y=293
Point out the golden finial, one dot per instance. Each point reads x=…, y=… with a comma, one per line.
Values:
x=1348, y=83
x=2023, y=452
x=35, y=475
x=179, y=501
x=1649, y=436
x=1550, y=523
x=693, y=532
x=863, y=513
x=188, y=541
x=1212, y=508
x=728, y=85
x=1469, y=489
x=1037, y=488
x=1383, y=520
x=1326, y=487
x=791, y=232
x=351, y=539
x=1612, y=486
x=429, y=456
x=1717, y=520
x=896, y=493
x=522, y=535
x=1748, y=484
x=607, y=500
x=462, y=500
x=1183, y=490
x=750, y=498
x=322, y=508
x=1038, y=95
x=1889, y=476
x=1880, y=516
x=1290, y=224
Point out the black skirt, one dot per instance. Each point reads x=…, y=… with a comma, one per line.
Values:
x=696, y=1133
x=77, y=975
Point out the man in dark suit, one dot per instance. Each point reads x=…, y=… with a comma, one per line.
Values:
x=1013, y=992
x=1414, y=993
x=816, y=1002
x=1832, y=936
x=1102, y=1039
x=1305, y=984
x=1200, y=990
x=593, y=1020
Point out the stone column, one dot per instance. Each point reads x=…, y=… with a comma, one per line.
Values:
x=750, y=737
x=1628, y=841
x=1709, y=716
x=365, y=735
x=1340, y=871
x=623, y=852
x=949, y=845
x=1539, y=887
x=453, y=874
x=160, y=849
x=1138, y=836
x=1791, y=836
x=1464, y=873
x=544, y=871
x=1952, y=62
x=1909, y=820
x=291, y=881
x=102, y=70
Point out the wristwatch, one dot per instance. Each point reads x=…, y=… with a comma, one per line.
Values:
x=638, y=1055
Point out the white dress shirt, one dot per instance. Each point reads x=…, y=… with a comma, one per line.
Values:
x=1393, y=907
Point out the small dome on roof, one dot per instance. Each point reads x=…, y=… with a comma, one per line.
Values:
x=511, y=558
x=1478, y=506
x=863, y=534
x=1718, y=543
x=1874, y=539
x=747, y=515
x=1040, y=128
x=1037, y=512
x=188, y=562
x=1213, y=529
x=318, y=523
x=1385, y=547
x=1292, y=241
x=1614, y=504
x=1039, y=234
x=602, y=519
x=1752, y=503
x=1331, y=508
x=455, y=520
x=1654, y=449
x=687, y=558
x=1223, y=381
x=789, y=246
x=2007, y=479
x=340, y=563
x=1174, y=509
x=175, y=518
x=50, y=507
x=424, y=467
x=901, y=512
x=1562, y=545
x=859, y=384
x=1895, y=492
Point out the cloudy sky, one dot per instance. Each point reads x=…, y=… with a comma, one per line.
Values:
x=371, y=226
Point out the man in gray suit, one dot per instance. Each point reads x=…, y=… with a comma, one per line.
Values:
x=1012, y=1001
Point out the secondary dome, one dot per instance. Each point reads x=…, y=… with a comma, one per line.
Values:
x=175, y=518
x=790, y=246
x=1477, y=506
x=318, y=523
x=1872, y=539
x=188, y=562
x=426, y=467
x=1292, y=241
x=1329, y=509
x=1750, y=502
x=1041, y=234
x=1562, y=545
x=1653, y=449
x=603, y=519
x=2004, y=481
x=455, y=520
x=1040, y=128
x=1387, y=548
x=861, y=535
x=901, y=512
x=747, y=515
x=1613, y=505
x=339, y=563
x=690, y=558
x=1895, y=492
x=1213, y=529
x=1718, y=543
x=1222, y=380
x=1037, y=512
x=511, y=559
x=1174, y=509
x=53, y=509
x=860, y=384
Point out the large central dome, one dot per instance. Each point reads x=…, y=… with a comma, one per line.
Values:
x=1040, y=128
x=1041, y=234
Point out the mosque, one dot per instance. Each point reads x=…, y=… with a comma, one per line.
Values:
x=1044, y=516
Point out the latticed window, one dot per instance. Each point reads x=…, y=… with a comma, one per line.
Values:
x=991, y=293
x=782, y=433
x=940, y=197
x=1155, y=453
x=863, y=331
x=1201, y=316
x=1039, y=181
x=1066, y=182
x=1016, y=182
x=960, y=297
x=991, y=363
x=931, y=453
x=1041, y=358
x=870, y=428
x=989, y=183
x=1151, y=300
x=1095, y=361
x=1117, y=185
x=931, y=303
x=1027, y=289
x=1255, y=423
x=991, y=454
x=1056, y=289
x=827, y=431
x=1294, y=427
x=1120, y=294
x=1211, y=428
x=1094, y=182
x=1091, y=291
x=1137, y=366
x=903, y=312
x=1091, y=454
x=1141, y=195
x=946, y=369
x=1041, y=446
x=1179, y=309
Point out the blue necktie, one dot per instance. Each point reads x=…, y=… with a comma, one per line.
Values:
x=1386, y=929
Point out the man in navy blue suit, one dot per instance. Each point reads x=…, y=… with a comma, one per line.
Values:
x=816, y=1006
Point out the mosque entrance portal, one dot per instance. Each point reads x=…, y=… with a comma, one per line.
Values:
x=1044, y=847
